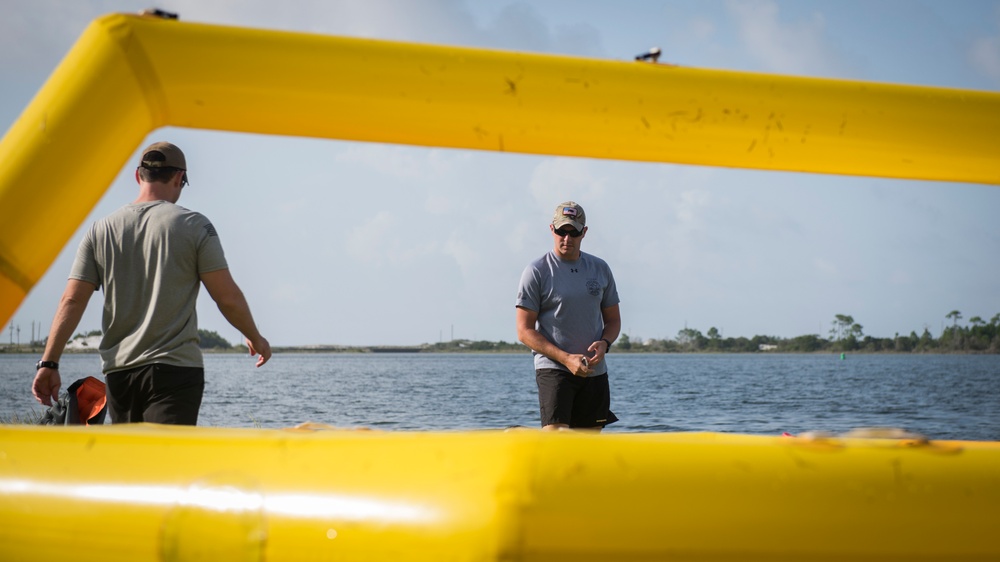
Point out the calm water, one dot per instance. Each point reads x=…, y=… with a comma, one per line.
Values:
x=940, y=396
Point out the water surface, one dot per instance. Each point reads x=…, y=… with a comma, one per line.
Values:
x=940, y=396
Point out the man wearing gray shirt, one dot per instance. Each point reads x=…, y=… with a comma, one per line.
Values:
x=567, y=313
x=150, y=257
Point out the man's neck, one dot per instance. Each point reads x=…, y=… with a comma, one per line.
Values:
x=156, y=192
x=567, y=257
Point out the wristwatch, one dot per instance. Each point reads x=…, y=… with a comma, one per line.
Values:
x=608, y=350
x=46, y=364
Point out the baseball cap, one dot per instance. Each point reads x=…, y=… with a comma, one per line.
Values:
x=164, y=155
x=569, y=213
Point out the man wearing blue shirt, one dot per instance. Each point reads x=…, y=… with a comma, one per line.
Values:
x=567, y=313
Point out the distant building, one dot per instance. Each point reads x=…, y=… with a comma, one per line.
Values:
x=767, y=347
x=90, y=343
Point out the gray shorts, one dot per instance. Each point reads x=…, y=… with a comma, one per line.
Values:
x=574, y=401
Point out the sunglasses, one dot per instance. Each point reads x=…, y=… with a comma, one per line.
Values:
x=571, y=232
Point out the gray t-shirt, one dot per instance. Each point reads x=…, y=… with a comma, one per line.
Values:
x=148, y=257
x=568, y=297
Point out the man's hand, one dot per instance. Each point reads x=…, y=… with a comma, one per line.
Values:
x=599, y=350
x=579, y=365
x=262, y=350
x=46, y=386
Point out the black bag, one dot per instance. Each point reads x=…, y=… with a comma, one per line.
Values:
x=85, y=403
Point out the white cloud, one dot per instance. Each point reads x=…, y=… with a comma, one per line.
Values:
x=467, y=251
x=518, y=26
x=36, y=34
x=787, y=48
x=703, y=29
x=900, y=277
x=580, y=39
x=688, y=210
x=825, y=267
x=294, y=293
x=524, y=236
x=438, y=21
x=560, y=179
x=377, y=242
x=400, y=162
x=985, y=57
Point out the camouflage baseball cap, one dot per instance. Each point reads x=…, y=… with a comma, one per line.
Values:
x=569, y=213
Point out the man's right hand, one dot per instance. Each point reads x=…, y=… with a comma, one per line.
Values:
x=579, y=366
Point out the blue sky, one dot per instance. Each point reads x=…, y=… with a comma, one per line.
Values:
x=348, y=243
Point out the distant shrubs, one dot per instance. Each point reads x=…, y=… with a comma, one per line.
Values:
x=212, y=340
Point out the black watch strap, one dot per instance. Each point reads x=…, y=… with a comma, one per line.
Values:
x=47, y=364
x=608, y=350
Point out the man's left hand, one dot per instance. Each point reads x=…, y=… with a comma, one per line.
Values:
x=46, y=386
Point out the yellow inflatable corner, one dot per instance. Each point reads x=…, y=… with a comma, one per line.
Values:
x=129, y=75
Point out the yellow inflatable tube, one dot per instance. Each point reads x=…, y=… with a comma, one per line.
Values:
x=157, y=493
x=175, y=494
x=129, y=75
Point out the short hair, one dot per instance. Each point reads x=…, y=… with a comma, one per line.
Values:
x=158, y=175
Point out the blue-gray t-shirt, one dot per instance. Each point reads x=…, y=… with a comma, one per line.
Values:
x=568, y=297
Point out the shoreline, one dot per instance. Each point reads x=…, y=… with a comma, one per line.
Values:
x=389, y=350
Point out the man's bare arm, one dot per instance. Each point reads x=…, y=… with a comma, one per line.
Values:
x=72, y=305
x=233, y=305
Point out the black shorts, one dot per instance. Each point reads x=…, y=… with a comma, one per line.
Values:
x=574, y=401
x=156, y=393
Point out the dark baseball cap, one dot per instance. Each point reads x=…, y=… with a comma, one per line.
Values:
x=164, y=155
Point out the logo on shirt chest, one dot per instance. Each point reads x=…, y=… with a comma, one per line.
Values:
x=593, y=287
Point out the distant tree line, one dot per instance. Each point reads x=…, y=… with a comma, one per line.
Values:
x=845, y=335
x=978, y=336
x=206, y=339
x=212, y=340
x=468, y=345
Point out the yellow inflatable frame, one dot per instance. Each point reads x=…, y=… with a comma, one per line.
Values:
x=148, y=492
x=129, y=75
